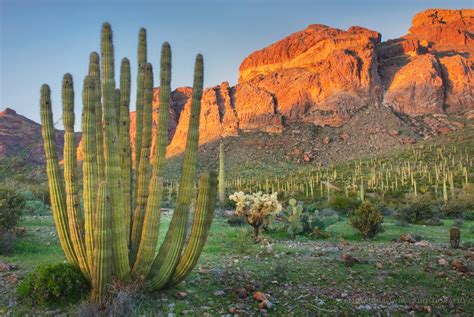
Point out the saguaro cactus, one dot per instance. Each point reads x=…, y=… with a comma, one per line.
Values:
x=221, y=176
x=98, y=238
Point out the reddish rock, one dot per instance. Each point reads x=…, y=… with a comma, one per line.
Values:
x=326, y=140
x=307, y=158
x=444, y=26
x=393, y=132
x=417, y=88
x=459, y=83
x=345, y=136
x=259, y=296
x=459, y=266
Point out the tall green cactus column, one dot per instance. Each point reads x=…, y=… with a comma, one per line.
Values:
x=142, y=61
x=221, y=176
x=112, y=163
x=144, y=166
x=151, y=220
x=89, y=164
x=205, y=205
x=75, y=218
x=94, y=72
x=124, y=144
x=165, y=263
x=55, y=180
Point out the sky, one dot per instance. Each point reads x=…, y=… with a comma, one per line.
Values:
x=41, y=40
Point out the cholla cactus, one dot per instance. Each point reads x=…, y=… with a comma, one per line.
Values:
x=256, y=208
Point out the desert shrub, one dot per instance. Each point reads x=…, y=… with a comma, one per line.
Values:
x=52, y=285
x=468, y=215
x=11, y=205
x=342, y=204
x=367, y=219
x=256, y=208
x=419, y=210
x=458, y=223
x=296, y=219
x=462, y=203
x=325, y=217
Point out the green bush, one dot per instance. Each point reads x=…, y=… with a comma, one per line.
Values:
x=421, y=210
x=11, y=204
x=462, y=203
x=342, y=204
x=367, y=219
x=468, y=215
x=52, y=285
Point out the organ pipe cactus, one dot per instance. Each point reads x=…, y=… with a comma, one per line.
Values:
x=115, y=234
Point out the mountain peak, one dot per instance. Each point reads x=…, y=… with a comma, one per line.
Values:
x=8, y=111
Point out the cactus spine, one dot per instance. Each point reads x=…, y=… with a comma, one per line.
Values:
x=221, y=176
x=97, y=239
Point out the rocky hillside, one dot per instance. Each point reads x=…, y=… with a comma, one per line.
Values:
x=324, y=76
x=347, y=85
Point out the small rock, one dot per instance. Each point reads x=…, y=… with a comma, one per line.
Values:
x=259, y=296
x=349, y=260
x=393, y=132
x=422, y=243
x=219, y=293
x=443, y=262
x=241, y=292
x=307, y=158
x=232, y=310
x=345, y=136
x=406, y=237
x=4, y=267
x=459, y=266
x=181, y=295
x=326, y=140
x=379, y=265
x=265, y=304
x=12, y=278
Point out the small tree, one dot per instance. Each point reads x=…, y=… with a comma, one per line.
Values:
x=256, y=208
x=11, y=204
x=367, y=219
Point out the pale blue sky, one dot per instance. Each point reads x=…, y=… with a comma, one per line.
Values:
x=43, y=39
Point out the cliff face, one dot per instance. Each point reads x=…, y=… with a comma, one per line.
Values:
x=326, y=76
x=430, y=70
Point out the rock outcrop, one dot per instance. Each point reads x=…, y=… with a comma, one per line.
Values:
x=20, y=138
x=430, y=70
